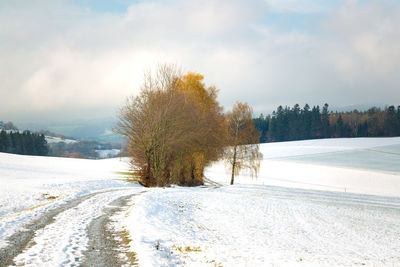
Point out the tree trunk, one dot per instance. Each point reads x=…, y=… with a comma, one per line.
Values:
x=233, y=165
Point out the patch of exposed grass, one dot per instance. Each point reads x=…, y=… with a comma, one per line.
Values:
x=125, y=241
x=192, y=249
x=216, y=264
x=48, y=196
x=128, y=176
x=200, y=226
x=186, y=249
x=38, y=206
x=129, y=208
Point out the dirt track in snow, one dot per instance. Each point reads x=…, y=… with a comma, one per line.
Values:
x=103, y=248
x=105, y=244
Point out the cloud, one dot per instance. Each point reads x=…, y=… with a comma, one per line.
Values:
x=58, y=57
x=300, y=6
x=362, y=49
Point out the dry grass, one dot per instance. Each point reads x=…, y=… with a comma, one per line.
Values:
x=125, y=243
x=128, y=176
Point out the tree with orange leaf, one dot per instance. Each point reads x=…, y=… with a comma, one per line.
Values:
x=174, y=128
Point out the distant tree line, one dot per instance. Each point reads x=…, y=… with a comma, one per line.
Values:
x=8, y=126
x=80, y=149
x=295, y=123
x=25, y=143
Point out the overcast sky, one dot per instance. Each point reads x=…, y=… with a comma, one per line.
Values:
x=82, y=58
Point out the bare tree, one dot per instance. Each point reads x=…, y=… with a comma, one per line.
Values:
x=243, y=137
x=171, y=137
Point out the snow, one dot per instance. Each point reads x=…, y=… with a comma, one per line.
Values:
x=320, y=146
x=54, y=139
x=108, y=153
x=276, y=220
x=255, y=225
x=357, y=165
x=30, y=185
x=323, y=202
x=64, y=241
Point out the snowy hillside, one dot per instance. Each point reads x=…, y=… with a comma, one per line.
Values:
x=275, y=220
x=256, y=223
x=358, y=165
x=54, y=139
x=252, y=225
x=30, y=185
x=108, y=153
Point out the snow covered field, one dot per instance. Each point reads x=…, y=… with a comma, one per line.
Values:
x=357, y=165
x=255, y=225
x=31, y=185
x=275, y=220
x=261, y=223
x=54, y=139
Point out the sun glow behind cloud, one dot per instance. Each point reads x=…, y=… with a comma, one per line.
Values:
x=63, y=56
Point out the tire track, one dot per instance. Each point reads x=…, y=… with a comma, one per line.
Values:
x=105, y=244
x=211, y=183
x=24, y=237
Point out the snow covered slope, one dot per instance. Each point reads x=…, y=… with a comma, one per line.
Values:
x=256, y=225
x=275, y=220
x=54, y=139
x=358, y=165
x=31, y=185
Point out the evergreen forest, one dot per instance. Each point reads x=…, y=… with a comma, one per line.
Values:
x=295, y=123
x=25, y=143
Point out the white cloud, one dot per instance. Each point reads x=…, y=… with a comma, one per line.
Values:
x=57, y=57
x=363, y=46
x=297, y=6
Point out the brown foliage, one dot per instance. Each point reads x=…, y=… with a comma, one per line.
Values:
x=243, y=138
x=172, y=132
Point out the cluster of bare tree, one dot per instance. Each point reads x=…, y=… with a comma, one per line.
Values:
x=175, y=128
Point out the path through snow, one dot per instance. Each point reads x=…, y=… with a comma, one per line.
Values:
x=63, y=242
